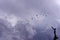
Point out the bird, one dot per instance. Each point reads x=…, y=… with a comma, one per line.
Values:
x=55, y=36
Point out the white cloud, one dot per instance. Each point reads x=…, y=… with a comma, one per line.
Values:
x=57, y=2
x=9, y=18
x=12, y=20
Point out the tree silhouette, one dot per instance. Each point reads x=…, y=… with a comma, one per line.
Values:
x=55, y=36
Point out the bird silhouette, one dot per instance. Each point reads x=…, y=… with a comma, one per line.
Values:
x=55, y=36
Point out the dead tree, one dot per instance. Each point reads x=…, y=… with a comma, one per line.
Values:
x=55, y=36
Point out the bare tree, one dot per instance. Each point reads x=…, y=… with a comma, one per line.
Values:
x=55, y=36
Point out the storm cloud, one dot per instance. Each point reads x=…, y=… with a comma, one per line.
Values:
x=29, y=19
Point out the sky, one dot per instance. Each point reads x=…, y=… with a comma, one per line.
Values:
x=29, y=19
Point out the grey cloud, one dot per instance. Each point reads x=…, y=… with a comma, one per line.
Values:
x=27, y=10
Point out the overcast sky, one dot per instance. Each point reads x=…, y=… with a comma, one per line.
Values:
x=29, y=19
